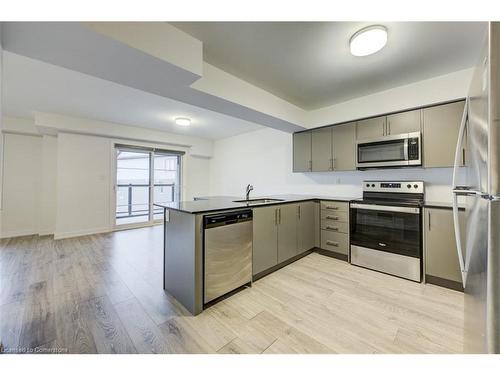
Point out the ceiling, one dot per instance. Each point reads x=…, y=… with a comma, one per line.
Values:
x=31, y=85
x=309, y=63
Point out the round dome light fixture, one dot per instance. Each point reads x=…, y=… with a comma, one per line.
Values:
x=368, y=40
x=183, y=121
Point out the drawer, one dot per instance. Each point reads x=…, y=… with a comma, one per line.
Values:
x=333, y=241
x=335, y=226
x=335, y=206
x=334, y=216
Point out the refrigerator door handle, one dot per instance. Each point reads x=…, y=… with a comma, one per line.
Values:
x=460, y=191
x=456, y=224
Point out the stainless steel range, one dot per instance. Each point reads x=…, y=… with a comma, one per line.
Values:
x=386, y=228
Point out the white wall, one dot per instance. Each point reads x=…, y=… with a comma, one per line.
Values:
x=74, y=175
x=264, y=157
x=197, y=181
x=48, y=188
x=83, y=185
x=21, y=185
x=430, y=91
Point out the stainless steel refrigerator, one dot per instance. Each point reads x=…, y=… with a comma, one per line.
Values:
x=479, y=188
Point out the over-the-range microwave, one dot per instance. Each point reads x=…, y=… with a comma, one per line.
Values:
x=401, y=150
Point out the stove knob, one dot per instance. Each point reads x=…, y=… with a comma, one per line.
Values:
x=408, y=186
x=415, y=186
x=367, y=185
x=373, y=185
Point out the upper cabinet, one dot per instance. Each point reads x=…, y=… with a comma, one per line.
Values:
x=344, y=147
x=404, y=122
x=322, y=150
x=371, y=128
x=440, y=134
x=333, y=148
x=302, y=161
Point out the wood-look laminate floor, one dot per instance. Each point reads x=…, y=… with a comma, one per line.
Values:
x=103, y=294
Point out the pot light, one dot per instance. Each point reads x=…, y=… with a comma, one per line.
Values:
x=368, y=40
x=183, y=121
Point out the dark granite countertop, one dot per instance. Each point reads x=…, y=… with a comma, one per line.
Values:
x=223, y=203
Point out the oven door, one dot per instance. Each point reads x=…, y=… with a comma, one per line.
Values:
x=389, y=151
x=391, y=229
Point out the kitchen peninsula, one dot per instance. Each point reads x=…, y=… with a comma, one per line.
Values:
x=291, y=220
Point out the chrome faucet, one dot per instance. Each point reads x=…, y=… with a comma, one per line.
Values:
x=248, y=190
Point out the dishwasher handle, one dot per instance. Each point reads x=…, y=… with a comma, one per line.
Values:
x=218, y=220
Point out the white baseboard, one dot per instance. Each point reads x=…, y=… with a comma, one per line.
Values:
x=60, y=236
x=17, y=234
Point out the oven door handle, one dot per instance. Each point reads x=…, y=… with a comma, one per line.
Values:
x=375, y=207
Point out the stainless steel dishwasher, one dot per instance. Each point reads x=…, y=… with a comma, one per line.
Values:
x=227, y=252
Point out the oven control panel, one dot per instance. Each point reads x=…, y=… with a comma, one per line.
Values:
x=394, y=186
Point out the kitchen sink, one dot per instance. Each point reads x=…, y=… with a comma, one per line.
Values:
x=259, y=201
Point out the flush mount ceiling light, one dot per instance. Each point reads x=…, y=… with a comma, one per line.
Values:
x=183, y=121
x=368, y=40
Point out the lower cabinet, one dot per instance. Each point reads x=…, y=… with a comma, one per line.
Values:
x=306, y=224
x=281, y=232
x=441, y=259
x=265, y=238
x=334, y=223
x=287, y=231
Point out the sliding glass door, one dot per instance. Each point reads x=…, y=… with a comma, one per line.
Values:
x=144, y=177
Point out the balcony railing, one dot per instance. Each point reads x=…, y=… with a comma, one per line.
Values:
x=127, y=210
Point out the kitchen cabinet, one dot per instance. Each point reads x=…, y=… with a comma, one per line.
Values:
x=302, y=161
x=371, y=128
x=404, y=122
x=287, y=231
x=322, y=149
x=306, y=225
x=281, y=232
x=344, y=147
x=334, y=223
x=265, y=238
x=441, y=125
x=441, y=259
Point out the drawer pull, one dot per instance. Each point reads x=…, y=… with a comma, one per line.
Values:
x=331, y=208
x=333, y=228
x=331, y=243
x=332, y=217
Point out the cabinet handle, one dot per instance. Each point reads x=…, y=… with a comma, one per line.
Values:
x=332, y=243
x=279, y=216
x=463, y=156
x=310, y=165
x=275, y=216
x=388, y=128
x=332, y=217
x=429, y=219
x=336, y=229
x=331, y=208
x=298, y=211
x=331, y=164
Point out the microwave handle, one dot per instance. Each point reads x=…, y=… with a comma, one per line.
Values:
x=406, y=149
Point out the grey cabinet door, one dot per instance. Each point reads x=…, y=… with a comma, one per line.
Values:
x=404, y=122
x=306, y=226
x=322, y=150
x=371, y=128
x=344, y=147
x=302, y=152
x=440, y=133
x=287, y=231
x=265, y=238
x=441, y=259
